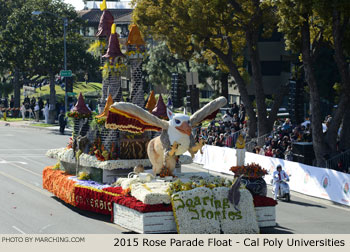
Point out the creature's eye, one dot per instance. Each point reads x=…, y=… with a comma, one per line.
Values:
x=177, y=121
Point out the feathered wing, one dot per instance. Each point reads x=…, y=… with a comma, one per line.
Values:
x=207, y=110
x=234, y=195
x=130, y=117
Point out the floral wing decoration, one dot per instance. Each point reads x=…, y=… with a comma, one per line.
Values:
x=208, y=112
x=234, y=195
x=130, y=117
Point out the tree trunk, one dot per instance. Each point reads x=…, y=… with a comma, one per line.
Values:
x=341, y=112
x=344, y=143
x=252, y=119
x=316, y=118
x=252, y=122
x=52, y=107
x=224, y=85
x=253, y=52
x=277, y=101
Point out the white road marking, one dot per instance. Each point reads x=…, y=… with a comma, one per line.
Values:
x=22, y=149
x=22, y=182
x=43, y=228
x=12, y=162
x=14, y=227
x=32, y=160
x=24, y=169
x=5, y=155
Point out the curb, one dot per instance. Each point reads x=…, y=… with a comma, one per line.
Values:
x=20, y=125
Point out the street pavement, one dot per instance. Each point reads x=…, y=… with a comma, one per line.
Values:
x=27, y=208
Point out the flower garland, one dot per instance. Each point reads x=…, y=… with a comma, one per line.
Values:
x=130, y=53
x=100, y=121
x=133, y=54
x=116, y=69
x=97, y=47
x=252, y=170
x=133, y=203
x=94, y=200
x=58, y=183
x=261, y=201
x=77, y=115
x=179, y=186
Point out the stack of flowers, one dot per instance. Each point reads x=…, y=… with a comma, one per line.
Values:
x=251, y=171
x=101, y=153
x=77, y=115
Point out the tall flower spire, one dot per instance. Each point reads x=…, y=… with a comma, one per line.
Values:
x=106, y=21
x=113, y=50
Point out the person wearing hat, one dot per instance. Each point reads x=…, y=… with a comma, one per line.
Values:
x=278, y=176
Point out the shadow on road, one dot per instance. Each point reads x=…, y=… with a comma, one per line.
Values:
x=302, y=204
x=57, y=132
x=276, y=230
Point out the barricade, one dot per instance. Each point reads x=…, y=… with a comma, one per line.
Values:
x=310, y=180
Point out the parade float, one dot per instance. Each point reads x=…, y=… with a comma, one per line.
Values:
x=125, y=161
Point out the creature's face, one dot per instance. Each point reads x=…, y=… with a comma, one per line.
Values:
x=181, y=122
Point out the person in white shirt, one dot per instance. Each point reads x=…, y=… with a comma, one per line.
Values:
x=46, y=112
x=23, y=111
x=278, y=176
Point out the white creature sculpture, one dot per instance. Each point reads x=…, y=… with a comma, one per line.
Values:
x=176, y=137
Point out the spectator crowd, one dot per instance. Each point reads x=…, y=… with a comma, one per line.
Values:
x=225, y=131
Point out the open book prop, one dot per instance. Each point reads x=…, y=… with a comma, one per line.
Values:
x=176, y=137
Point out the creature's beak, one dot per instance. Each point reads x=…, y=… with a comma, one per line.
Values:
x=185, y=128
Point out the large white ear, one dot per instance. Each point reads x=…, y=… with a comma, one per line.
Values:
x=169, y=113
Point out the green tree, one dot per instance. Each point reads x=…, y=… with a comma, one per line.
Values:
x=307, y=25
x=224, y=29
x=33, y=44
x=161, y=63
x=14, y=48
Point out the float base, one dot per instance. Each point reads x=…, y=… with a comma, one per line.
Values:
x=144, y=223
x=266, y=216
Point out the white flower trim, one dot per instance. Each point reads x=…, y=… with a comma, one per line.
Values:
x=156, y=191
x=88, y=160
x=151, y=193
x=245, y=222
x=125, y=183
x=67, y=155
x=62, y=154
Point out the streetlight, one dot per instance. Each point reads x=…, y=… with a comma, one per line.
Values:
x=65, y=24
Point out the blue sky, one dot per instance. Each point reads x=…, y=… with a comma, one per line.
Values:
x=78, y=4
